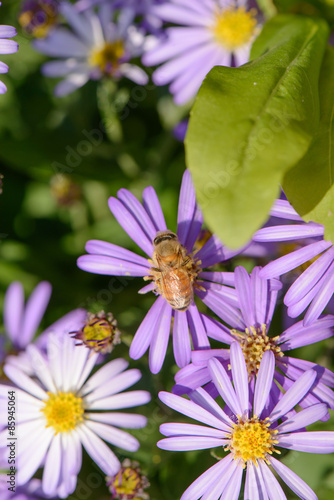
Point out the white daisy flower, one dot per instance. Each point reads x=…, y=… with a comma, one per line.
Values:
x=58, y=411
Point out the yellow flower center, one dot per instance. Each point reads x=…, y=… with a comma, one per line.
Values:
x=63, y=411
x=127, y=482
x=254, y=342
x=234, y=27
x=39, y=19
x=107, y=58
x=252, y=440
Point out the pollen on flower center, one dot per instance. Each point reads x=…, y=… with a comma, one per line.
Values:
x=100, y=332
x=234, y=27
x=63, y=411
x=252, y=440
x=254, y=342
x=107, y=58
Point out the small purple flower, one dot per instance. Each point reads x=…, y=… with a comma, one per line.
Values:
x=256, y=300
x=97, y=46
x=22, y=320
x=142, y=222
x=58, y=411
x=249, y=429
x=314, y=287
x=37, y=17
x=210, y=33
x=6, y=47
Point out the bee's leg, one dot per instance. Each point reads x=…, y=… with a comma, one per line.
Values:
x=155, y=272
x=199, y=287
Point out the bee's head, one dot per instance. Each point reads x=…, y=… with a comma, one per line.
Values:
x=164, y=236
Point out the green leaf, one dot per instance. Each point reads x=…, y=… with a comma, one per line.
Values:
x=251, y=124
x=309, y=186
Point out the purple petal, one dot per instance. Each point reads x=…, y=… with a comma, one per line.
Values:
x=187, y=443
x=7, y=31
x=143, y=335
x=181, y=339
x=13, y=310
x=153, y=208
x=189, y=378
x=101, y=264
x=294, y=482
x=131, y=226
x=294, y=259
x=264, y=382
x=224, y=386
x=8, y=46
x=289, y=232
x=214, y=252
x=298, y=307
x=98, y=247
x=304, y=418
x=147, y=288
x=220, y=303
x=201, y=357
x=198, y=332
x=178, y=14
x=201, y=397
x=293, y=395
x=322, y=298
x=284, y=210
x=138, y=212
x=34, y=312
x=255, y=488
x=160, y=339
x=310, y=442
x=218, y=486
x=232, y=490
x=264, y=294
x=327, y=376
x=299, y=335
x=176, y=429
x=216, y=330
x=274, y=489
x=240, y=376
x=191, y=409
x=309, y=278
x=189, y=218
x=224, y=278
x=243, y=288
x=204, y=482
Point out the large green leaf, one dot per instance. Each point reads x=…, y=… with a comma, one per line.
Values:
x=310, y=184
x=249, y=125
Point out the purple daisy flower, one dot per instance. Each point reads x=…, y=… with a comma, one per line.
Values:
x=249, y=429
x=22, y=320
x=6, y=47
x=58, y=411
x=210, y=33
x=37, y=17
x=143, y=222
x=313, y=289
x=257, y=299
x=96, y=46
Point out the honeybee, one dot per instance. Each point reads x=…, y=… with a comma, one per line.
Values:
x=174, y=271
